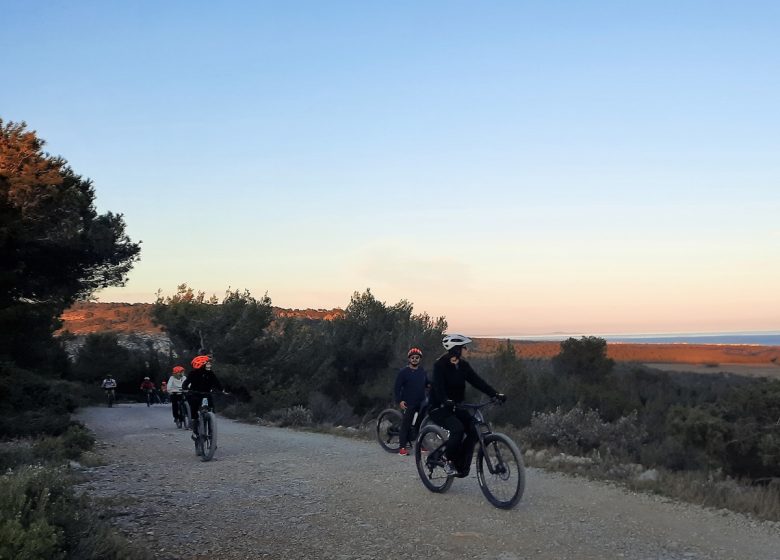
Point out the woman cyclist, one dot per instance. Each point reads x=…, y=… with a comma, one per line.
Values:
x=450, y=374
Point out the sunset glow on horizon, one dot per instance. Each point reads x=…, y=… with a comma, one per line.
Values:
x=518, y=168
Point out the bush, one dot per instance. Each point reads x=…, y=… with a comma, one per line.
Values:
x=293, y=416
x=69, y=445
x=33, y=404
x=43, y=520
x=324, y=411
x=579, y=432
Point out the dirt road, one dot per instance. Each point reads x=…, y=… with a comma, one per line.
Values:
x=275, y=493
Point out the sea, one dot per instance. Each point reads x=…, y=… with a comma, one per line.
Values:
x=754, y=338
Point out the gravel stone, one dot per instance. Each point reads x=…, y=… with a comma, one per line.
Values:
x=280, y=494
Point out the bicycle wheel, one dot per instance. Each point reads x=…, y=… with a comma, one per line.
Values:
x=504, y=486
x=198, y=446
x=185, y=415
x=208, y=435
x=388, y=429
x=428, y=455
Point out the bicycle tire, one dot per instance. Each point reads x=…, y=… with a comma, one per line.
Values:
x=208, y=436
x=199, y=444
x=505, y=487
x=427, y=456
x=185, y=414
x=388, y=430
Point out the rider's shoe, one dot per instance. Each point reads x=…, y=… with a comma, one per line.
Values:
x=450, y=469
x=403, y=451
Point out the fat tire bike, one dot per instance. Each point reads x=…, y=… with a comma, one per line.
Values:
x=500, y=467
x=206, y=435
x=388, y=427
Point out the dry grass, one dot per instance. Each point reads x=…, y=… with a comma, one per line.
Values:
x=770, y=371
x=711, y=490
x=767, y=357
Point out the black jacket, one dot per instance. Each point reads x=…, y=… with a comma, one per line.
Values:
x=201, y=380
x=449, y=381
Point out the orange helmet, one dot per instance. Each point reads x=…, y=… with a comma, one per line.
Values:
x=178, y=369
x=413, y=351
x=199, y=361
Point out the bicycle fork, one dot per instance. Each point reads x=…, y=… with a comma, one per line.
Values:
x=498, y=466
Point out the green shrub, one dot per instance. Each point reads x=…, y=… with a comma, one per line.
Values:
x=325, y=411
x=293, y=416
x=43, y=520
x=69, y=445
x=578, y=432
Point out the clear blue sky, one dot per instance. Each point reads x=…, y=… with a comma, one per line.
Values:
x=518, y=167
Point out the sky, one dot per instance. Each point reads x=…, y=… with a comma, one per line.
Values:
x=518, y=167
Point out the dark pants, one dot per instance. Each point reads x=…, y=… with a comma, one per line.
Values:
x=406, y=423
x=176, y=398
x=458, y=423
x=195, y=401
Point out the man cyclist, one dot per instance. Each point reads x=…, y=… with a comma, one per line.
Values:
x=450, y=374
x=200, y=379
x=175, y=382
x=147, y=386
x=410, y=386
x=109, y=384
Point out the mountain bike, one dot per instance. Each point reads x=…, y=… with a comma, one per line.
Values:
x=184, y=412
x=205, y=428
x=500, y=467
x=110, y=397
x=151, y=397
x=388, y=427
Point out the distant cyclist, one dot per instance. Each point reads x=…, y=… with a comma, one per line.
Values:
x=109, y=386
x=109, y=383
x=148, y=387
x=410, y=386
x=175, y=382
x=200, y=379
x=450, y=374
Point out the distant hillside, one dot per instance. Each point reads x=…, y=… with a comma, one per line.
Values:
x=89, y=317
x=136, y=319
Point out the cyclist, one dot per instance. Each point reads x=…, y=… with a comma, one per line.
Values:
x=109, y=384
x=202, y=380
x=450, y=374
x=147, y=387
x=175, y=382
x=410, y=386
x=164, y=391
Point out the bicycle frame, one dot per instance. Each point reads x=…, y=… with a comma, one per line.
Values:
x=482, y=427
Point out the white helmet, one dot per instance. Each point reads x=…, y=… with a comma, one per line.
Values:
x=452, y=340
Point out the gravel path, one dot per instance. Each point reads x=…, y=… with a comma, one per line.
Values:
x=276, y=493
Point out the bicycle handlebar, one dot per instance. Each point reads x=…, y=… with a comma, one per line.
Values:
x=477, y=406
